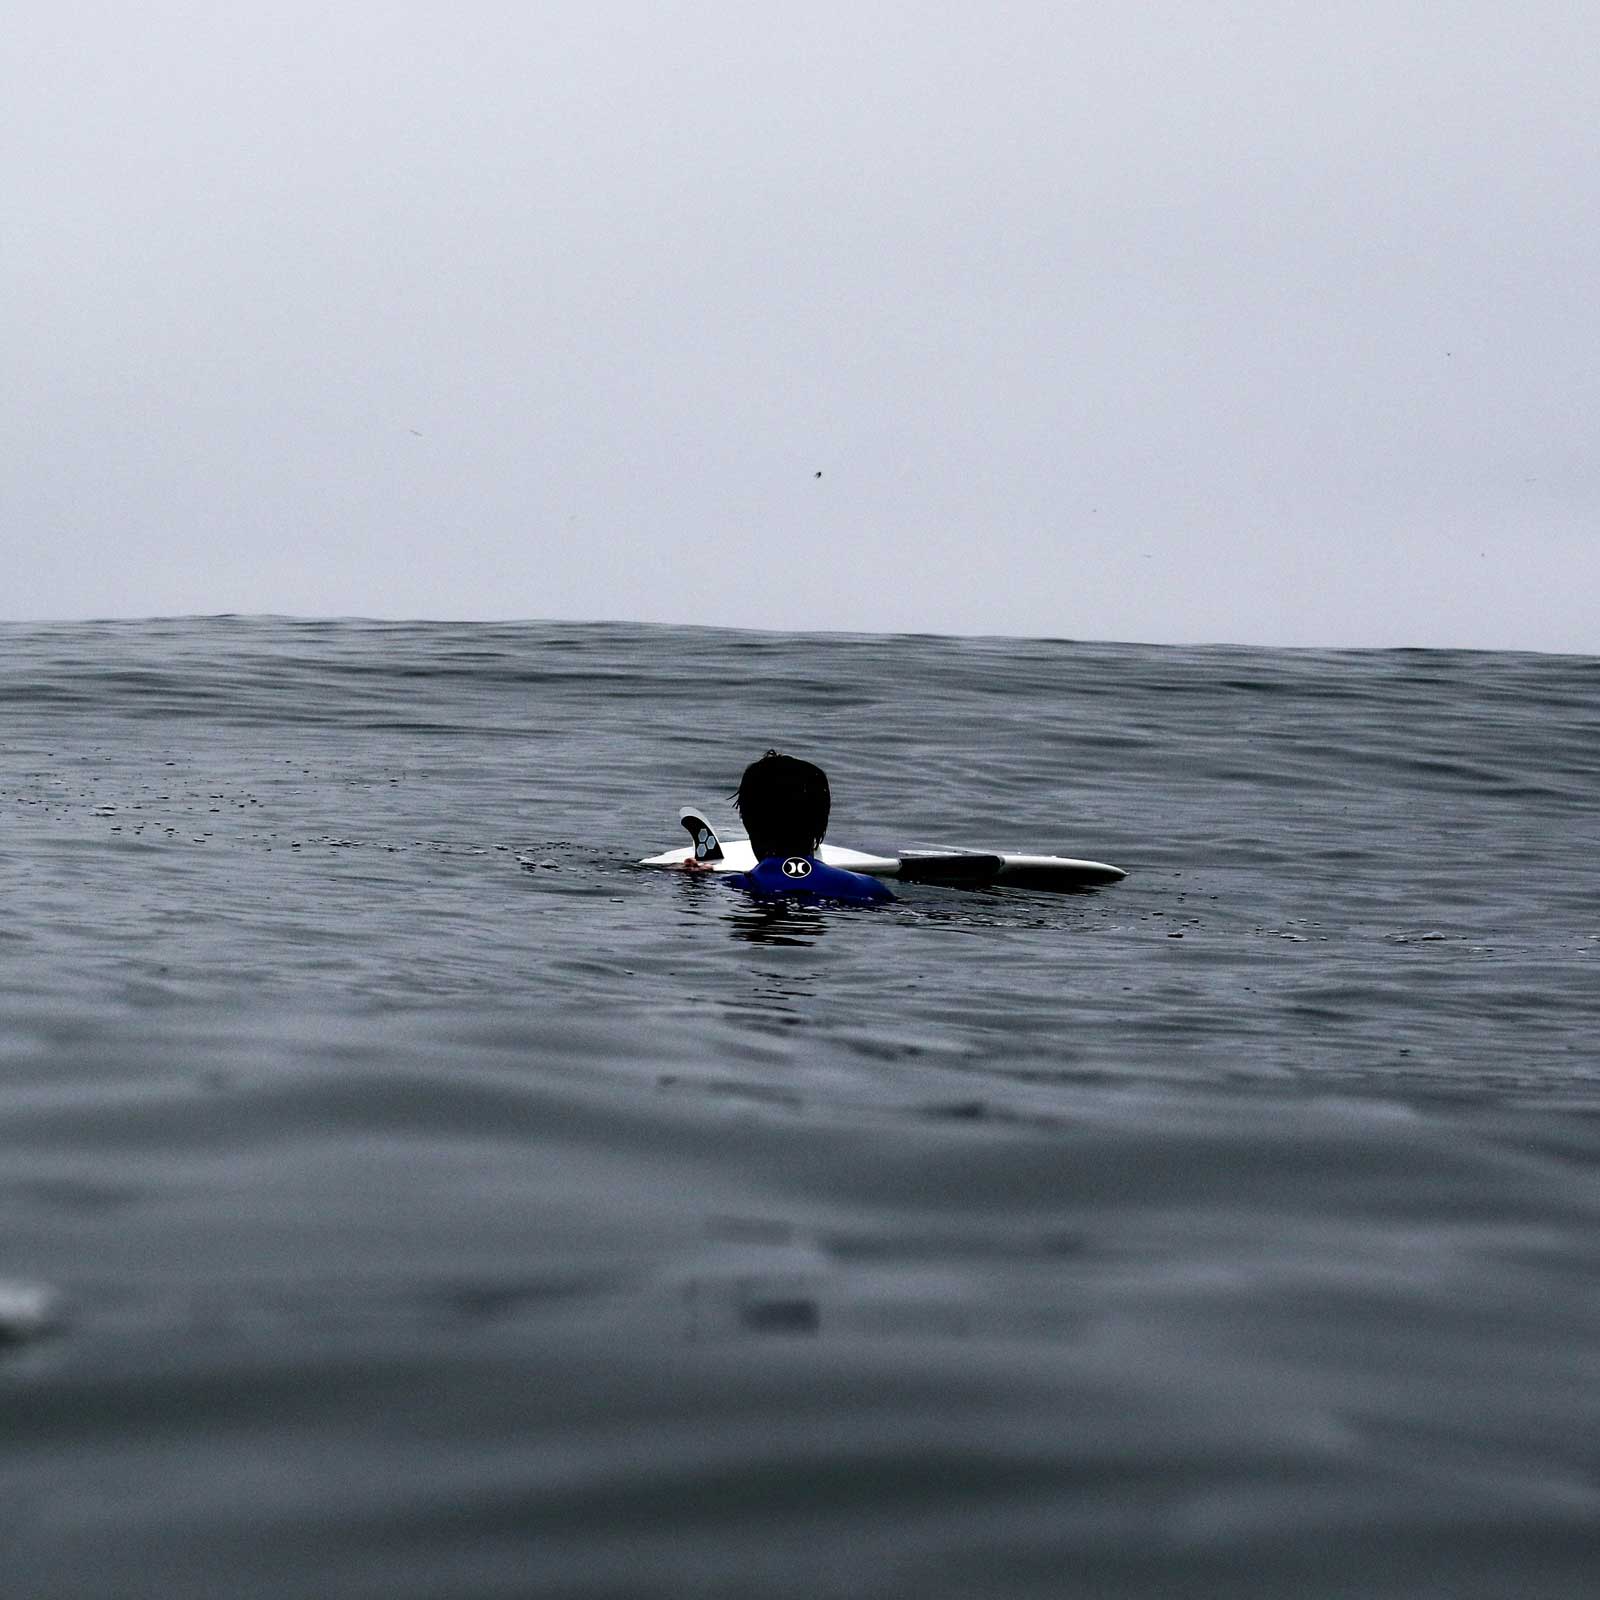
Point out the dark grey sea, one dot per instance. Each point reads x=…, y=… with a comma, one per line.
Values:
x=406, y=1195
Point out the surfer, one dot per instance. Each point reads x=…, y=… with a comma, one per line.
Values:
x=784, y=802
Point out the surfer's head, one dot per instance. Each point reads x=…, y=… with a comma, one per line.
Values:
x=784, y=803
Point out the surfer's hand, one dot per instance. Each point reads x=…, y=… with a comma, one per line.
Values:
x=691, y=865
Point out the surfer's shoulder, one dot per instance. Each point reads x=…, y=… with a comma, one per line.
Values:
x=805, y=875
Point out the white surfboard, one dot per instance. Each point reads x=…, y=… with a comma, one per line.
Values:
x=911, y=866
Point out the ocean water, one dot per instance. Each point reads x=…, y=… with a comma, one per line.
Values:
x=404, y=1194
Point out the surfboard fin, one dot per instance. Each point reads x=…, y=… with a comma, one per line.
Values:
x=706, y=847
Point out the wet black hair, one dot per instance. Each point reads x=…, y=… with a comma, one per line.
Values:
x=784, y=802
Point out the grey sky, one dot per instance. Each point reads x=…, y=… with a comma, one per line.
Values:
x=1267, y=323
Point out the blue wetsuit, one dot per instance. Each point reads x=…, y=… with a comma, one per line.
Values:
x=804, y=877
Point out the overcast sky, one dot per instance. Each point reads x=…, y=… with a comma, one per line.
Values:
x=1273, y=323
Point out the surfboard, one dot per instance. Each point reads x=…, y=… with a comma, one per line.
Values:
x=968, y=867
